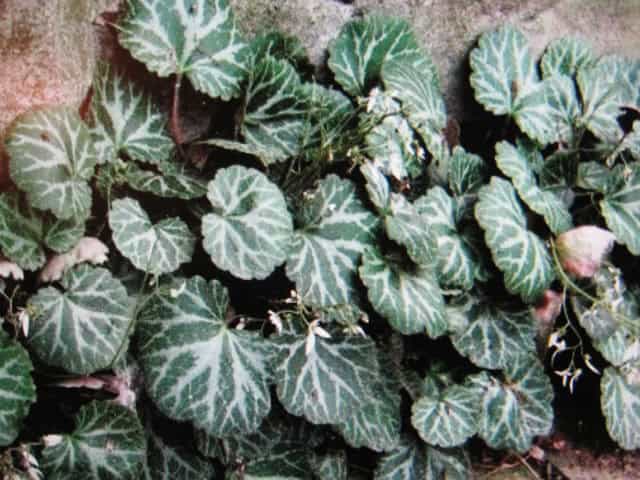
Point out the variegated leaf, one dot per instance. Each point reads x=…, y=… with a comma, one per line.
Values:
x=467, y=172
x=280, y=464
x=515, y=163
x=422, y=102
x=329, y=466
x=166, y=462
x=518, y=252
x=566, y=56
x=621, y=210
x=620, y=403
x=169, y=181
x=455, y=260
x=282, y=46
x=107, y=444
x=359, y=53
x=126, y=121
x=596, y=176
x=503, y=70
x=516, y=410
x=491, y=337
x=20, y=232
x=52, y=158
x=563, y=109
x=408, y=297
x=448, y=418
x=196, y=38
x=62, y=235
x=407, y=460
x=334, y=229
x=602, y=96
x=330, y=113
x=275, y=109
x=81, y=324
x=17, y=390
x=328, y=382
x=250, y=229
x=448, y=464
x=197, y=368
x=153, y=248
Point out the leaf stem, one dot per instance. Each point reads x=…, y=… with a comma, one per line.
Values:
x=174, y=122
x=565, y=278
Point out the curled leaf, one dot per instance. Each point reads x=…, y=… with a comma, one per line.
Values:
x=581, y=250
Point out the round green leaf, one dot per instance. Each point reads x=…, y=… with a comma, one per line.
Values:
x=362, y=48
x=197, y=368
x=17, y=391
x=153, y=248
x=566, y=56
x=196, y=38
x=81, y=324
x=334, y=229
x=250, y=229
x=170, y=181
x=328, y=382
x=408, y=297
x=52, y=158
x=20, y=233
x=620, y=401
x=107, y=444
x=621, y=210
x=518, y=252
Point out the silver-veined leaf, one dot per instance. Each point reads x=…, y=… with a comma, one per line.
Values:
x=448, y=464
x=329, y=466
x=249, y=231
x=376, y=425
x=166, y=462
x=566, y=56
x=503, y=70
x=82, y=324
x=620, y=401
x=20, y=233
x=153, y=248
x=107, y=444
x=515, y=163
x=407, y=460
x=602, y=96
x=169, y=181
x=196, y=38
x=621, y=210
x=467, y=172
x=391, y=142
x=517, y=409
x=455, y=260
x=52, y=158
x=334, y=228
x=409, y=297
x=422, y=102
x=596, y=176
x=282, y=46
x=328, y=382
x=275, y=109
x=448, y=418
x=402, y=221
x=197, y=368
x=518, y=252
x=562, y=111
x=491, y=337
x=330, y=113
x=62, y=235
x=359, y=53
x=125, y=120
x=280, y=464
x=17, y=390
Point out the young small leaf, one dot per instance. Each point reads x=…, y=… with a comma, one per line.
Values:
x=250, y=229
x=125, y=121
x=467, y=172
x=107, y=444
x=518, y=252
x=327, y=383
x=17, y=391
x=197, y=367
x=334, y=229
x=408, y=297
x=169, y=181
x=407, y=460
x=566, y=56
x=80, y=325
x=52, y=159
x=620, y=401
x=358, y=54
x=281, y=464
x=196, y=38
x=153, y=248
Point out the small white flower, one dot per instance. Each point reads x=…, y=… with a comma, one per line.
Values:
x=241, y=324
x=574, y=378
x=590, y=366
x=23, y=321
x=275, y=320
x=564, y=374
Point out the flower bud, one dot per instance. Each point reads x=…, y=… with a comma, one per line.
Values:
x=582, y=249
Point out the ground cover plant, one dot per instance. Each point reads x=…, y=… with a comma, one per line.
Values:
x=337, y=288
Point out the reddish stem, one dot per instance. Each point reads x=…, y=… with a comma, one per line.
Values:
x=174, y=123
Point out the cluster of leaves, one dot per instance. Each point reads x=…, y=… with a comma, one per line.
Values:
x=378, y=233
